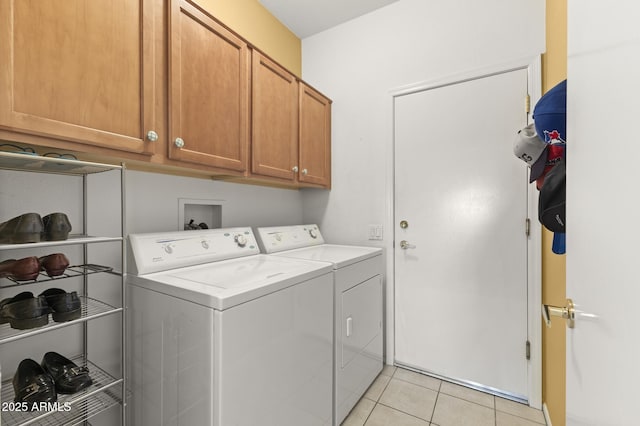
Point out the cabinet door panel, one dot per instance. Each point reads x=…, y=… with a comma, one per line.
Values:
x=315, y=137
x=78, y=70
x=209, y=81
x=274, y=103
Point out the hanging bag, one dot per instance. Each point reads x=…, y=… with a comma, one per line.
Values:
x=553, y=195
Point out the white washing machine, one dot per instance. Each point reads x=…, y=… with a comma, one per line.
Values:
x=357, y=275
x=222, y=335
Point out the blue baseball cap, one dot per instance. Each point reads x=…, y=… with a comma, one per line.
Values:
x=550, y=114
x=559, y=245
x=550, y=120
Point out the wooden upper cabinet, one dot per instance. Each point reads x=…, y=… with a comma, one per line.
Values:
x=78, y=70
x=94, y=76
x=274, y=103
x=208, y=91
x=315, y=137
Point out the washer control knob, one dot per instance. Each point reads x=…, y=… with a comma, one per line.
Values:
x=313, y=233
x=205, y=244
x=241, y=240
x=168, y=249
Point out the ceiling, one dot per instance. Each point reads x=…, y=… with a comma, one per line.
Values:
x=308, y=17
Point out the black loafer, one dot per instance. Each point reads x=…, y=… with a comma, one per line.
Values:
x=56, y=227
x=32, y=384
x=67, y=376
x=26, y=228
x=24, y=311
x=64, y=306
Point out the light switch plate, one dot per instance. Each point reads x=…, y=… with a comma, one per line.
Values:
x=375, y=232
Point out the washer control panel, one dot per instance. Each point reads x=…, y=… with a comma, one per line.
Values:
x=279, y=238
x=162, y=251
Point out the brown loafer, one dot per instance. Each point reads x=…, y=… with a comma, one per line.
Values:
x=56, y=227
x=22, y=229
x=55, y=264
x=21, y=269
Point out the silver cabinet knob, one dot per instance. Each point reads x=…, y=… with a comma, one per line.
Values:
x=152, y=136
x=304, y=171
x=295, y=169
x=179, y=142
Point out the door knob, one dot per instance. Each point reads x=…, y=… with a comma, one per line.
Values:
x=404, y=244
x=567, y=312
x=404, y=224
x=179, y=142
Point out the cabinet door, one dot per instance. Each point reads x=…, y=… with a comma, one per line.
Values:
x=315, y=137
x=209, y=89
x=274, y=103
x=78, y=70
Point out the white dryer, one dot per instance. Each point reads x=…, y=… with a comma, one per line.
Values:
x=222, y=335
x=357, y=275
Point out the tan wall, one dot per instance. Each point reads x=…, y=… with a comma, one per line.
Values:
x=554, y=70
x=260, y=28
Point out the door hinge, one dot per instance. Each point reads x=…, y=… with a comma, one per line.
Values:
x=527, y=104
x=527, y=350
x=527, y=227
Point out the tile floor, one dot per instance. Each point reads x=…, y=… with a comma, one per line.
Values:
x=400, y=397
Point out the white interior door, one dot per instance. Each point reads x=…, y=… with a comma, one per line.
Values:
x=461, y=282
x=603, y=350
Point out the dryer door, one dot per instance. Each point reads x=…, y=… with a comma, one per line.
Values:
x=361, y=318
x=358, y=343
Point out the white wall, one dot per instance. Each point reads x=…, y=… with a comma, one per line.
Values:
x=357, y=64
x=152, y=202
x=360, y=62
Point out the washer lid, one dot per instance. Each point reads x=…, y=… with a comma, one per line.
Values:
x=339, y=255
x=221, y=285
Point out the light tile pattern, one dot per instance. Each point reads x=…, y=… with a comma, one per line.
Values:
x=399, y=397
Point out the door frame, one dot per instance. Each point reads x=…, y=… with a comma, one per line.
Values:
x=534, y=246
